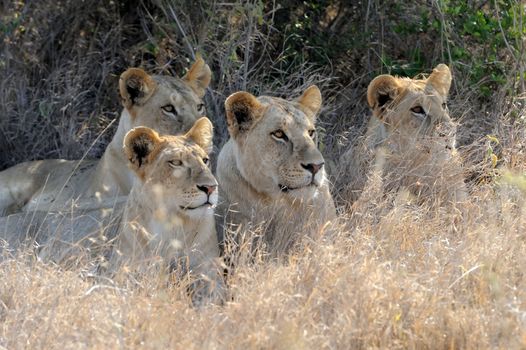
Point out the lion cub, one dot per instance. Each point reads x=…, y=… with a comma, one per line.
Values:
x=170, y=210
x=271, y=173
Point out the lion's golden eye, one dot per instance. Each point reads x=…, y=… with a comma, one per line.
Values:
x=206, y=161
x=174, y=163
x=312, y=133
x=169, y=109
x=201, y=108
x=279, y=135
x=418, y=110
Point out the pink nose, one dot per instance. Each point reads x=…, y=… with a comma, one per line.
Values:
x=313, y=168
x=208, y=189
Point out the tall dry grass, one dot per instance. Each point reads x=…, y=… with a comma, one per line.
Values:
x=411, y=278
x=391, y=274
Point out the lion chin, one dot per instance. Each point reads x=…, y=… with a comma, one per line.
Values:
x=196, y=211
x=302, y=192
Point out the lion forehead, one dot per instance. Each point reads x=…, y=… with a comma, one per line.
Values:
x=285, y=114
x=178, y=149
x=175, y=84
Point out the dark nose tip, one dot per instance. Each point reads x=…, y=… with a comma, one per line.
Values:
x=208, y=189
x=313, y=168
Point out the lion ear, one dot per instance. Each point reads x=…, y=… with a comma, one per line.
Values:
x=242, y=110
x=440, y=79
x=135, y=87
x=202, y=133
x=381, y=91
x=199, y=76
x=139, y=143
x=310, y=101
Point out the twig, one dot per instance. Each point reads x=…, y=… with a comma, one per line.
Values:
x=465, y=274
x=183, y=33
x=247, y=46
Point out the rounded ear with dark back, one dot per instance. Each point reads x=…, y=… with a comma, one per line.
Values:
x=242, y=110
x=382, y=91
x=135, y=87
x=310, y=101
x=198, y=77
x=139, y=143
x=202, y=133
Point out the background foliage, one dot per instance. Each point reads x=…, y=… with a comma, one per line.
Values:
x=61, y=59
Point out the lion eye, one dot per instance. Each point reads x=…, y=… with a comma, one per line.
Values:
x=201, y=108
x=312, y=133
x=444, y=105
x=170, y=109
x=418, y=110
x=206, y=161
x=175, y=163
x=279, y=135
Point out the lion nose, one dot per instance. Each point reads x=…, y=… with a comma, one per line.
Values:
x=313, y=168
x=208, y=189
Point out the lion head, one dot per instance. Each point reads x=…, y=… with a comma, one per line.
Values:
x=170, y=105
x=174, y=170
x=414, y=109
x=276, y=142
x=410, y=140
x=271, y=173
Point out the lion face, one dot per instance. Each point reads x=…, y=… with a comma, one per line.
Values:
x=166, y=104
x=276, y=142
x=173, y=170
x=415, y=109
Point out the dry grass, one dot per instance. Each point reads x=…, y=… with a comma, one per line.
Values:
x=389, y=275
x=410, y=279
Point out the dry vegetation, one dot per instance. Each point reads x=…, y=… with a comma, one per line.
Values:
x=411, y=279
x=389, y=275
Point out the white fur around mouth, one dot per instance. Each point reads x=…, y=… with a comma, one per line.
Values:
x=284, y=188
x=207, y=204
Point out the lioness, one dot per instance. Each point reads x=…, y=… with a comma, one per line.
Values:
x=170, y=209
x=168, y=214
x=167, y=104
x=410, y=140
x=271, y=172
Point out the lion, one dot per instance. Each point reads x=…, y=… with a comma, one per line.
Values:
x=270, y=171
x=409, y=142
x=169, y=213
x=167, y=104
x=170, y=210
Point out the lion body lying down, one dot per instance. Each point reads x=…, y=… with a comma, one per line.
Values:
x=167, y=104
x=168, y=218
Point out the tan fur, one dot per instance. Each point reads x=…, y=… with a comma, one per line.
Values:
x=410, y=150
x=261, y=177
x=53, y=184
x=166, y=216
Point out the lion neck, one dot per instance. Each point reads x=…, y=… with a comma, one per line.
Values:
x=112, y=176
x=164, y=225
